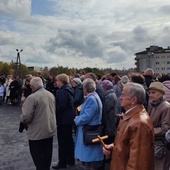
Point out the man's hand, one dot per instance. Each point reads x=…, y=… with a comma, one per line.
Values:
x=108, y=149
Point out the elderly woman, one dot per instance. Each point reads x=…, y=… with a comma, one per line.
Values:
x=159, y=111
x=110, y=110
x=65, y=115
x=91, y=156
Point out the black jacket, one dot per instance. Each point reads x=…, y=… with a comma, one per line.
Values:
x=65, y=112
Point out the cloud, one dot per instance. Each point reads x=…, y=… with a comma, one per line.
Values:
x=7, y=38
x=77, y=42
x=82, y=33
x=15, y=8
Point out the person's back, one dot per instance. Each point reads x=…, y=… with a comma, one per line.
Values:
x=91, y=156
x=38, y=113
x=43, y=125
x=110, y=110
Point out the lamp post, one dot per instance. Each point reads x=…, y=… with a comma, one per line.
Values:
x=150, y=54
x=18, y=62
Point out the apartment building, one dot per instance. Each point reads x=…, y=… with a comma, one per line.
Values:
x=157, y=58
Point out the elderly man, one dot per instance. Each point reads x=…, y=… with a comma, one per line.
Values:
x=134, y=144
x=38, y=112
x=149, y=76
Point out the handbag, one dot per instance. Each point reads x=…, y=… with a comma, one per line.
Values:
x=159, y=149
x=91, y=132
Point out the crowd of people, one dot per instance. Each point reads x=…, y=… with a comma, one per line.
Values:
x=134, y=111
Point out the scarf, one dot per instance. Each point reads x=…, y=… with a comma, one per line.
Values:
x=156, y=103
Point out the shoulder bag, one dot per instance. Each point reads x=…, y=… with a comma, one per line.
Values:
x=159, y=149
x=91, y=132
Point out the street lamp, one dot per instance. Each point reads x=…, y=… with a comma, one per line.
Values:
x=18, y=62
x=150, y=54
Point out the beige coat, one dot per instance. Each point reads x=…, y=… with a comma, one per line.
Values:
x=38, y=112
x=160, y=116
x=134, y=144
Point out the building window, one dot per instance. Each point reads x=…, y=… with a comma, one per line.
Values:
x=168, y=68
x=168, y=62
x=157, y=63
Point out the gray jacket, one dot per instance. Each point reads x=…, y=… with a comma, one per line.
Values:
x=110, y=109
x=160, y=116
x=38, y=112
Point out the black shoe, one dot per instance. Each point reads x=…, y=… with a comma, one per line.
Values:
x=71, y=165
x=58, y=166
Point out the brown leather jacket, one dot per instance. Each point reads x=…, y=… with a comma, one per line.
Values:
x=134, y=144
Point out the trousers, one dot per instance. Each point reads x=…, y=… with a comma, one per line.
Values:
x=65, y=144
x=41, y=152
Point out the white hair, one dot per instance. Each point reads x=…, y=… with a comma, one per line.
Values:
x=90, y=85
x=149, y=72
x=36, y=82
x=137, y=90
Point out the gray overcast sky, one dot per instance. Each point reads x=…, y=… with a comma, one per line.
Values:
x=77, y=33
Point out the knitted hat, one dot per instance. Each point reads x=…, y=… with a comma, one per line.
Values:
x=157, y=86
x=124, y=79
x=107, y=84
x=77, y=80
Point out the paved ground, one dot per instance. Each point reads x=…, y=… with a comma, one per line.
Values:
x=14, y=151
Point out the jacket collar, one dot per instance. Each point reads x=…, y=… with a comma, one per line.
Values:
x=132, y=112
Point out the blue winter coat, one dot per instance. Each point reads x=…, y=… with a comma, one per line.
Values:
x=91, y=114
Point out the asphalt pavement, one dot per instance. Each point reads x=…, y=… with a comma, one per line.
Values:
x=14, y=149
